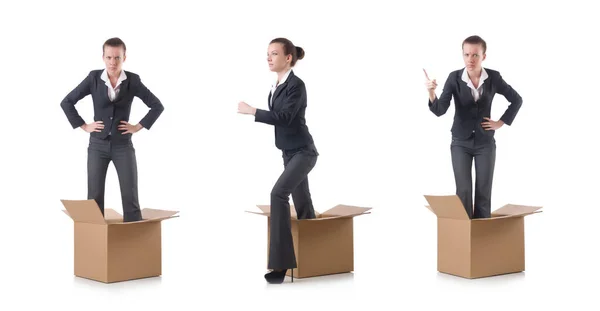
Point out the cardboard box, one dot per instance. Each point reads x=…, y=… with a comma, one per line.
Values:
x=323, y=245
x=475, y=248
x=108, y=250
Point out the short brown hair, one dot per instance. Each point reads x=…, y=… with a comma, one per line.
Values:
x=115, y=43
x=289, y=48
x=475, y=40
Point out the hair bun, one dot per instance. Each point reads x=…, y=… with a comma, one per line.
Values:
x=300, y=52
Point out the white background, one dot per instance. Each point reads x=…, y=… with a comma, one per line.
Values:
x=380, y=147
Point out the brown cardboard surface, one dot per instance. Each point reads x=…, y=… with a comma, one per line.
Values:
x=497, y=247
x=266, y=209
x=479, y=247
x=84, y=211
x=148, y=215
x=108, y=250
x=516, y=210
x=90, y=251
x=454, y=246
x=324, y=245
x=134, y=251
x=157, y=214
x=447, y=206
x=344, y=211
x=335, y=212
x=88, y=211
x=110, y=215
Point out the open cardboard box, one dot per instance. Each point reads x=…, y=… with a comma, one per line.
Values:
x=323, y=245
x=108, y=250
x=474, y=248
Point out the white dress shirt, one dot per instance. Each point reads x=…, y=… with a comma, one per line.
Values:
x=278, y=83
x=113, y=92
x=475, y=91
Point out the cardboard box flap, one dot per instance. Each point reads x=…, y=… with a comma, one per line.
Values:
x=86, y=211
x=447, y=206
x=345, y=211
x=324, y=217
x=516, y=210
x=111, y=214
x=266, y=211
x=257, y=213
x=157, y=214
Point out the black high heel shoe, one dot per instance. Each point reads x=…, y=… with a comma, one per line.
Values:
x=277, y=277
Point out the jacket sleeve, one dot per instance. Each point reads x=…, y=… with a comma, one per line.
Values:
x=512, y=96
x=284, y=116
x=68, y=103
x=156, y=107
x=439, y=106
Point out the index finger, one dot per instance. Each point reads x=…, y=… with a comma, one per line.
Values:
x=426, y=76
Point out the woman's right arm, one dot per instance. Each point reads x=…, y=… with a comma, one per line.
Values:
x=440, y=105
x=68, y=103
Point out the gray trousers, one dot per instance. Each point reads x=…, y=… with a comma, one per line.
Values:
x=463, y=153
x=294, y=180
x=100, y=153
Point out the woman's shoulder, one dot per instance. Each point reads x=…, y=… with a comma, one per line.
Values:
x=294, y=79
x=492, y=72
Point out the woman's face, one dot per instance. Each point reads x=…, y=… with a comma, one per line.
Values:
x=277, y=59
x=113, y=58
x=473, y=56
